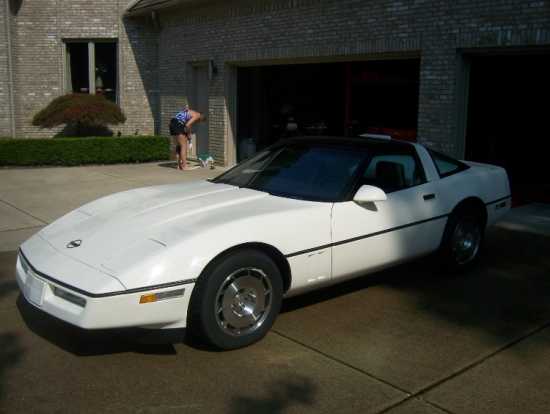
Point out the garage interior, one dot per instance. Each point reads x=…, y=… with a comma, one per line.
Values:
x=507, y=120
x=333, y=99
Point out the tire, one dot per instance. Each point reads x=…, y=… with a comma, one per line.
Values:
x=236, y=300
x=462, y=240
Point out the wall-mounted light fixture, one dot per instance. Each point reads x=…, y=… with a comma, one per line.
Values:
x=155, y=20
x=14, y=6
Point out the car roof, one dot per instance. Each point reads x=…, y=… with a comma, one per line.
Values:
x=344, y=141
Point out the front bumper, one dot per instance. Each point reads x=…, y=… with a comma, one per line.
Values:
x=117, y=310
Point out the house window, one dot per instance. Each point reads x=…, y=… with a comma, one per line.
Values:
x=91, y=67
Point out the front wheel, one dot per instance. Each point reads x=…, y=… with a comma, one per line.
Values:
x=462, y=240
x=236, y=300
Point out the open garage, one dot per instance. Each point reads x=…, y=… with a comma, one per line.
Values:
x=508, y=119
x=342, y=98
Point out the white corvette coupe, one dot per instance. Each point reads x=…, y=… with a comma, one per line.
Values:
x=218, y=256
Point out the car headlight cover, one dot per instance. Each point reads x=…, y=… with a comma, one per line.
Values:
x=69, y=297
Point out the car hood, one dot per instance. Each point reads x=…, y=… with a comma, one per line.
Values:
x=138, y=221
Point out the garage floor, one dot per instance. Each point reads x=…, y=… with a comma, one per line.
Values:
x=407, y=340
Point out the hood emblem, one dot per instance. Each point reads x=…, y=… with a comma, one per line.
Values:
x=74, y=244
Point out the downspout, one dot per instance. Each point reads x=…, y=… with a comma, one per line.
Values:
x=155, y=20
x=347, y=105
x=10, y=69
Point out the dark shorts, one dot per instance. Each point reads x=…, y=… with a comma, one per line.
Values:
x=176, y=127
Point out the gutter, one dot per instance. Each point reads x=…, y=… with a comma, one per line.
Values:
x=130, y=6
x=10, y=69
x=136, y=8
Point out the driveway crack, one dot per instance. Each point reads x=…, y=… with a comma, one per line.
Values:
x=21, y=228
x=418, y=394
x=346, y=364
x=23, y=211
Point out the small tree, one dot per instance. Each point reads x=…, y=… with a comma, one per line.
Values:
x=83, y=112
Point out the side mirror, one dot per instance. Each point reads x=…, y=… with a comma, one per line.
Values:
x=369, y=194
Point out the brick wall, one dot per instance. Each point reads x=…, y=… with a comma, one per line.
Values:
x=37, y=65
x=40, y=29
x=139, y=76
x=271, y=30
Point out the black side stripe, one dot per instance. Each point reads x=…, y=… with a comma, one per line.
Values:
x=366, y=236
x=378, y=233
x=103, y=295
x=500, y=199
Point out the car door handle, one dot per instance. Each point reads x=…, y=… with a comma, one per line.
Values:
x=427, y=197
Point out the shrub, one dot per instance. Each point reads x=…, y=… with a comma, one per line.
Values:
x=79, y=151
x=80, y=111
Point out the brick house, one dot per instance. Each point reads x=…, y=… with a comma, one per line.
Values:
x=37, y=40
x=447, y=72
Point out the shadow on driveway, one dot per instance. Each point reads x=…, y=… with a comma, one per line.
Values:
x=283, y=394
x=10, y=347
x=81, y=342
x=169, y=164
x=10, y=354
x=7, y=287
x=506, y=294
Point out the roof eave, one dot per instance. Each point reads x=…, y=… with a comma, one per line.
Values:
x=140, y=7
x=137, y=7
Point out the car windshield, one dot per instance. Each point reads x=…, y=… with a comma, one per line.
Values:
x=317, y=173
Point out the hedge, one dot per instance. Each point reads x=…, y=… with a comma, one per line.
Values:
x=80, y=151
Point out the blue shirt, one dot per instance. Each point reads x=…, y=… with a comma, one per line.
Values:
x=183, y=116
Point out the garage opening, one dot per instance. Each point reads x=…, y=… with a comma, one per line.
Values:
x=344, y=98
x=507, y=120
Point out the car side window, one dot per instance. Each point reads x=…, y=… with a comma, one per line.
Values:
x=393, y=171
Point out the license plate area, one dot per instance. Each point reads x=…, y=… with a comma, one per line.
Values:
x=34, y=288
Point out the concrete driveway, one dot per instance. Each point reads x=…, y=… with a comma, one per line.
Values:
x=407, y=340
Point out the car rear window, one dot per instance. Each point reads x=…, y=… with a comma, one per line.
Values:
x=446, y=165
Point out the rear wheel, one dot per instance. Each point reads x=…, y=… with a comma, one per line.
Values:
x=462, y=240
x=236, y=300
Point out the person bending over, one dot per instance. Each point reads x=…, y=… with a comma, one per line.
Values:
x=180, y=129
